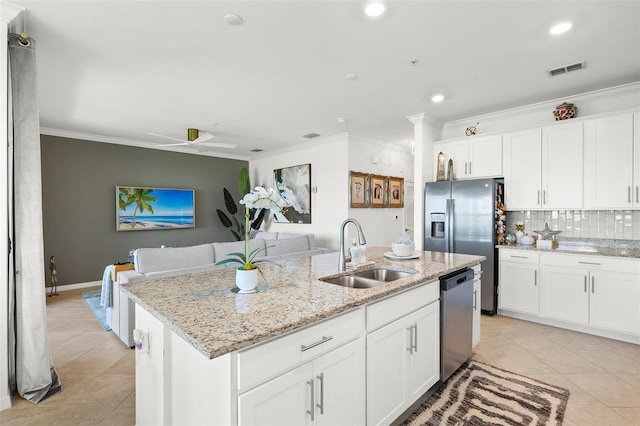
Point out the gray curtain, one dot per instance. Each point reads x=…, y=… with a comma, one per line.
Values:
x=30, y=366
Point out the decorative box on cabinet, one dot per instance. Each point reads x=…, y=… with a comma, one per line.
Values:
x=613, y=181
x=518, y=288
x=403, y=351
x=474, y=157
x=543, y=167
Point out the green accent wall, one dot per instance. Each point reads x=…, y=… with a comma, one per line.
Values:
x=79, y=201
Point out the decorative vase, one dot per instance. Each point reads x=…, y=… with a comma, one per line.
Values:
x=247, y=280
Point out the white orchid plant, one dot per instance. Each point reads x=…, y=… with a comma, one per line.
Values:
x=257, y=198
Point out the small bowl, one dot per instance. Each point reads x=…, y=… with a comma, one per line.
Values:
x=403, y=250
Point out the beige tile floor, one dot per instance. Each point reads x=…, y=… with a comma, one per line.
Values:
x=98, y=375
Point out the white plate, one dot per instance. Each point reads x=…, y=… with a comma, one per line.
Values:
x=390, y=255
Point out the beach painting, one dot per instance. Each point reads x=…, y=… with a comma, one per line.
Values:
x=145, y=209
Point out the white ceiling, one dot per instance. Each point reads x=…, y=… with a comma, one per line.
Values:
x=115, y=71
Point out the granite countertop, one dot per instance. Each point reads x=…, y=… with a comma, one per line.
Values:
x=202, y=309
x=618, y=248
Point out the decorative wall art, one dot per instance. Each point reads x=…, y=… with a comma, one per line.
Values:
x=378, y=191
x=396, y=192
x=294, y=185
x=359, y=190
x=145, y=209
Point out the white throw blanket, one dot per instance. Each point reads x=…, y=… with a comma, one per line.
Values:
x=106, y=297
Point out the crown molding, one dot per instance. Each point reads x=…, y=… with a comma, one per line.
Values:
x=130, y=142
x=424, y=118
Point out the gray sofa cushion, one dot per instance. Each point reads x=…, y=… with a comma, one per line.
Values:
x=289, y=245
x=221, y=250
x=162, y=259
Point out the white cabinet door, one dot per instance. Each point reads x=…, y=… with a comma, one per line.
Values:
x=424, y=360
x=285, y=400
x=615, y=301
x=608, y=162
x=485, y=156
x=340, y=386
x=456, y=151
x=387, y=350
x=477, y=297
x=522, y=165
x=636, y=160
x=562, y=166
x=518, y=289
x=564, y=293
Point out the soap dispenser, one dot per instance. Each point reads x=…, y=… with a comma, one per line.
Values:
x=354, y=252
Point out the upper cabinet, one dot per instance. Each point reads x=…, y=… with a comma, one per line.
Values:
x=473, y=157
x=543, y=167
x=609, y=161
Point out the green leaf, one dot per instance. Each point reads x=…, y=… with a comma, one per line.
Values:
x=258, y=220
x=235, y=234
x=229, y=202
x=226, y=222
x=244, y=182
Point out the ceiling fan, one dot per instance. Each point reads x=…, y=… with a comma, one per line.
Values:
x=195, y=138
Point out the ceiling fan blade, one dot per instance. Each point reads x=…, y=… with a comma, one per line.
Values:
x=204, y=136
x=172, y=144
x=218, y=144
x=169, y=137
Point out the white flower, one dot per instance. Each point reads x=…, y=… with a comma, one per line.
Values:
x=261, y=198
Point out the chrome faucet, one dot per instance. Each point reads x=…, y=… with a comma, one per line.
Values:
x=342, y=263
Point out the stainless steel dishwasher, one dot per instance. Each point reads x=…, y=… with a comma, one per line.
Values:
x=456, y=321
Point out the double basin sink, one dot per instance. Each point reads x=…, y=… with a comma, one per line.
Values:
x=369, y=278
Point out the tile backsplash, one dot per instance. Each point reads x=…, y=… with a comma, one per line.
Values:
x=602, y=224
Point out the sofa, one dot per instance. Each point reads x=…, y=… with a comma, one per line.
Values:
x=154, y=263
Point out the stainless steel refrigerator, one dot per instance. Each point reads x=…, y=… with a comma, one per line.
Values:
x=460, y=217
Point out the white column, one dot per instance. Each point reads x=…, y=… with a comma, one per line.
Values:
x=8, y=14
x=426, y=131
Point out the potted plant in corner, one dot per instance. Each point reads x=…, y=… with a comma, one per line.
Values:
x=248, y=273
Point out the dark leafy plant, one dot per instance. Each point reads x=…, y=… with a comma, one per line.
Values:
x=234, y=217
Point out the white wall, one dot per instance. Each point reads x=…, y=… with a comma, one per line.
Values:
x=380, y=225
x=329, y=174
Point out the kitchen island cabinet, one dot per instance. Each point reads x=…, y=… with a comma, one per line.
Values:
x=201, y=338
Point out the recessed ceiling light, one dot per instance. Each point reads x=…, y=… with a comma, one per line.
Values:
x=375, y=8
x=437, y=98
x=351, y=77
x=233, y=19
x=560, y=28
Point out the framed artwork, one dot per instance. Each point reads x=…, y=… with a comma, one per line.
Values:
x=146, y=209
x=359, y=190
x=378, y=190
x=294, y=185
x=396, y=192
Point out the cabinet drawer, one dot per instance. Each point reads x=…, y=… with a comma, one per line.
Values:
x=523, y=256
x=591, y=262
x=268, y=359
x=394, y=307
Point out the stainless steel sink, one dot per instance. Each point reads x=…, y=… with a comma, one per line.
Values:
x=369, y=278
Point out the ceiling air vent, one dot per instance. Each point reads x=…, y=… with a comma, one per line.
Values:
x=256, y=150
x=310, y=135
x=568, y=68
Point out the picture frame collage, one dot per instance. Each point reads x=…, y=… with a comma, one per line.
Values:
x=376, y=191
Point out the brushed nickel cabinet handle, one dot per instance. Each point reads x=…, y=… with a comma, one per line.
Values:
x=465, y=168
x=593, y=285
x=544, y=196
x=469, y=167
x=320, y=377
x=313, y=345
x=312, y=411
x=585, y=283
x=538, y=197
x=475, y=303
x=415, y=337
x=637, y=193
x=590, y=263
x=535, y=277
x=410, y=348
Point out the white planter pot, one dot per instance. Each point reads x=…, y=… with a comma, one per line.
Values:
x=247, y=280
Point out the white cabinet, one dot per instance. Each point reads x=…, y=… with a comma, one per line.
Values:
x=597, y=291
x=473, y=157
x=609, y=158
x=403, y=352
x=326, y=391
x=477, y=297
x=313, y=376
x=518, y=288
x=543, y=167
x=636, y=160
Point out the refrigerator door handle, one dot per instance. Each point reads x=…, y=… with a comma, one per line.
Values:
x=452, y=207
x=447, y=218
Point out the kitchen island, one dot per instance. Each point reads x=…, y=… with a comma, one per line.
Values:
x=206, y=347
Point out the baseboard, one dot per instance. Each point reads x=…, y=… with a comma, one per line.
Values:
x=5, y=402
x=76, y=286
